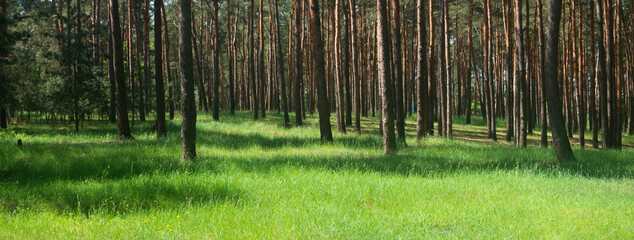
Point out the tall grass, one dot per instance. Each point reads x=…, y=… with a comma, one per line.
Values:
x=257, y=179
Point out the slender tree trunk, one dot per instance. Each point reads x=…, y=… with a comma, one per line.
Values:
x=261, y=82
x=431, y=75
x=280, y=66
x=188, y=105
x=251, y=64
x=422, y=109
x=297, y=5
x=339, y=81
x=230, y=60
x=158, y=69
x=543, y=121
x=398, y=70
x=319, y=68
x=561, y=143
x=385, y=78
x=146, y=55
x=112, y=113
x=168, y=69
x=216, y=63
x=345, y=46
x=356, y=80
x=510, y=120
x=520, y=78
x=123, y=126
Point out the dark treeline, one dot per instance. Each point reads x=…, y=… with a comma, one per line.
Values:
x=567, y=65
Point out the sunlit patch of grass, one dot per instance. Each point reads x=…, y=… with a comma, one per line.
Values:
x=257, y=179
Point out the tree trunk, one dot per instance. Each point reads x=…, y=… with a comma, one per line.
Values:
x=398, y=70
x=261, y=82
x=422, y=109
x=385, y=78
x=356, y=80
x=251, y=64
x=319, y=68
x=508, y=33
x=543, y=121
x=188, y=105
x=112, y=112
x=216, y=64
x=520, y=79
x=158, y=69
x=297, y=5
x=123, y=126
x=345, y=46
x=168, y=70
x=338, y=65
x=280, y=65
x=561, y=143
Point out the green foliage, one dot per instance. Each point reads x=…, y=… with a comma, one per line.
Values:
x=257, y=179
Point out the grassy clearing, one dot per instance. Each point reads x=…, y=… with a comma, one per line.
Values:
x=256, y=179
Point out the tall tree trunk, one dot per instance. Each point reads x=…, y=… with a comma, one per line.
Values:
x=280, y=65
x=146, y=55
x=112, y=113
x=345, y=46
x=431, y=75
x=297, y=5
x=508, y=34
x=422, y=109
x=251, y=64
x=168, y=69
x=262, y=82
x=520, y=79
x=398, y=70
x=561, y=143
x=356, y=80
x=188, y=105
x=230, y=60
x=385, y=77
x=543, y=121
x=471, y=68
x=123, y=126
x=339, y=81
x=216, y=63
x=442, y=73
x=319, y=68
x=158, y=69
x=606, y=134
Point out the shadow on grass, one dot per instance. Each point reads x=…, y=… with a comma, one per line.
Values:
x=143, y=193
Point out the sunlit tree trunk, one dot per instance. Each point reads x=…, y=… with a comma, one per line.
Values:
x=385, y=78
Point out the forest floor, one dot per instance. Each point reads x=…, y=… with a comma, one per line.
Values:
x=259, y=180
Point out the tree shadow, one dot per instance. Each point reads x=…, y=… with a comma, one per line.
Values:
x=115, y=197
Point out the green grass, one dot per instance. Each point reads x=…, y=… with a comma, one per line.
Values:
x=256, y=179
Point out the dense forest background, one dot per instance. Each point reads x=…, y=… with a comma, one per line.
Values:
x=481, y=58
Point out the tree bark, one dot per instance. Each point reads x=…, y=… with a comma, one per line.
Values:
x=123, y=125
x=561, y=143
x=385, y=78
x=520, y=79
x=356, y=80
x=216, y=63
x=158, y=69
x=338, y=65
x=319, y=68
x=297, y=5
x=398, y=70
x=188, y=105
x=422, y=103
x=543, y=121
